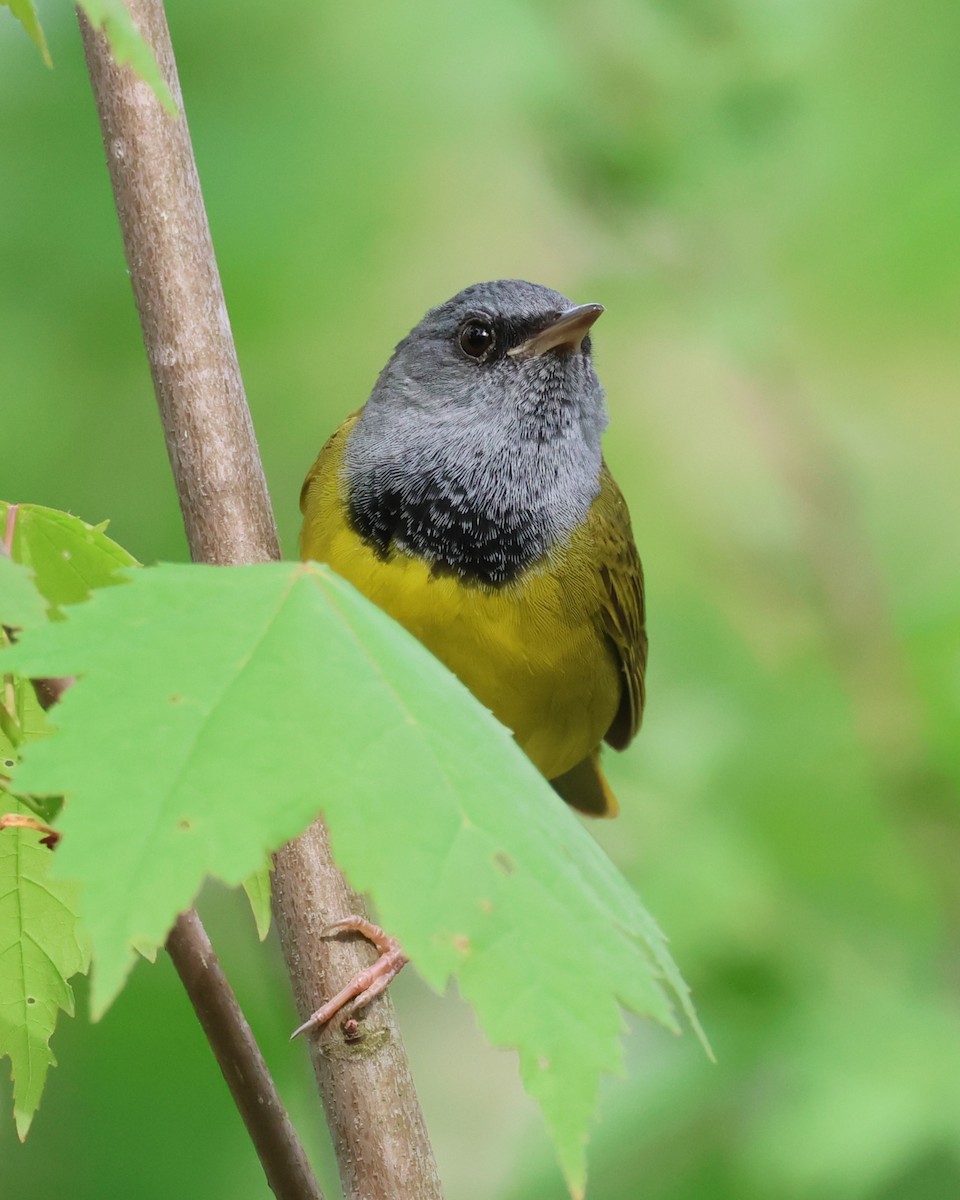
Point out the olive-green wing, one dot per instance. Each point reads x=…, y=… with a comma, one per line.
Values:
x=622, y=605
x=327, y=462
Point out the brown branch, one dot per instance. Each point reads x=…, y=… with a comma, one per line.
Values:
x=363, y=1075
x=378, y=1129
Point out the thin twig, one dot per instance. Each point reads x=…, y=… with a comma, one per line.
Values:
x=284, y=1161
x=6, y=546
x=23, y=821
x=378, y=1130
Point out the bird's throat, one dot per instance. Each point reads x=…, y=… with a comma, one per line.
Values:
x=476, y=536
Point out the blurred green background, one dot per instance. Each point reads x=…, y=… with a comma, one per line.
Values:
x=765, y=196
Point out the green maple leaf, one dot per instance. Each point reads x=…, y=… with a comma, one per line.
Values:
x=222, y=708
x=41, y=945
x=67, y=556
x=257, y=887
x=57, y=559
x=21, y=604
x=26, y=13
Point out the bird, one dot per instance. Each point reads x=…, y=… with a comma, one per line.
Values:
x=469, y=499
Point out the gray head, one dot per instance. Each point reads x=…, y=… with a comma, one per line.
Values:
x=479, y=448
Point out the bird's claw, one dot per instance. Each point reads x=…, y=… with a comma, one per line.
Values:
x=367, y=984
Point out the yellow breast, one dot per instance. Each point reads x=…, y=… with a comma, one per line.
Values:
x=533, y=651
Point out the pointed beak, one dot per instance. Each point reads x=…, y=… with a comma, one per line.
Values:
x=568, y=330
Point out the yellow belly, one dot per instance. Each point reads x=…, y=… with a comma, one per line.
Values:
x=558, y=656
x=526, y=650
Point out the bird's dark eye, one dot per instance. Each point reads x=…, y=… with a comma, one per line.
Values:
x=476, y=338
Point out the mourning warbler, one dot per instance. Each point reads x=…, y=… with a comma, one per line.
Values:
x=469, y=499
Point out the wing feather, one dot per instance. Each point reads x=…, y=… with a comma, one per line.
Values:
x=622, y=613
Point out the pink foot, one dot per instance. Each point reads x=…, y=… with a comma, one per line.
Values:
x=369, y=983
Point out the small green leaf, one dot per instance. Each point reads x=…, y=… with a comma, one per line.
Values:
x=68, y=557
x=207, y=689
x=13, y=734
x=257, y=887
x=128, y=45
x=41, y=945
x=21, y=604
x=26, y=13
